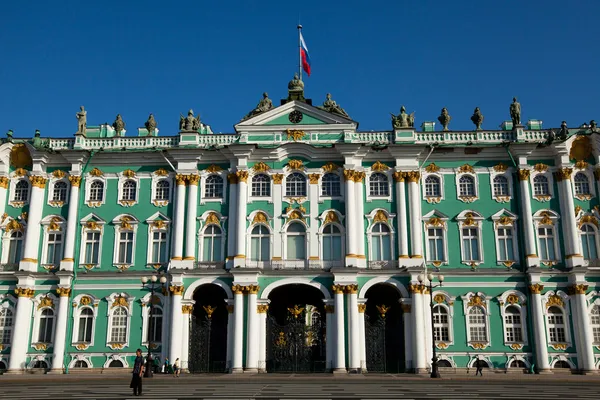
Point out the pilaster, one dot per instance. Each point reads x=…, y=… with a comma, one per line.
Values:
x=530, y=248
x=539, y=330
x=359, y=177
x=21, y=329
x=232, y=220
x=329, y=334
x=179, y=220
x=416, y=229
x=32, y=235
x=176, y=335
x=68, y=260
x=60, y=332
x=192, y=210
x=262, y=308
x=407, y=320
x=571, y=233
x=187, y=308
x=240, y=252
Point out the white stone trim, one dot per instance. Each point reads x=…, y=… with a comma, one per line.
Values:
x=389, y=223
x=442, y=219
x=513, y=224
x=509, y=180
x=521, y=305
x=440, y=177
x=386, y=280
x=39, y=357
x=483, y=357
x=295, y=281
x=46, y=222
x=112, y=357
x=109, y=314
x=388, y=174
x=122, y=179
x=538, y=221
x=77, y=308
x=340, y=174
x=14, y=179
x=100, y=228
x=157, y=178
x=38, y=308
x=517, y=357
x=448, y=304
x=474, y=175
x=203, y=176
x=166, y=227
x=561, y=357
x=470, y=219
x=9, y=302
x=191, y=288
x=89, y=179
x=51, y=183
x=6, y=240
x=133, y=223
x=81, y=357
x=340, y=226
x=565, y=313
x=251, y=174
x=200, y=234
x=589, y=173
x=146, y=318
x=548, y=175
x=466, y=299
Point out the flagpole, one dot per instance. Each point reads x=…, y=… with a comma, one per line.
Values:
x=299, y=51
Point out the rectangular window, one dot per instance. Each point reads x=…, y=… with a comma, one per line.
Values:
x=54, y=249
x=125, y=251
x=92, y=247
x=332, y=248
x=546, y=241
x=505, y=244
x=159, y=247
x=296, y=247
x=211, y=249
x=470, y=244
x=435, y=238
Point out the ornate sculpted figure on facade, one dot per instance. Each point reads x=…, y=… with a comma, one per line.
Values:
x=265, y=104
x=189, y=123
x=81, y=120
x=564, y=131
x=477, y=118
x=40, y=144
x=593, y=127
x=332, y=107
x=119, y=125
x=403, y=120
x=444, y=118
x=150, y=124
x=296, y=84
x=515, y=112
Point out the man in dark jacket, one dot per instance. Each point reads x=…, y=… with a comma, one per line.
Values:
x=479, y=364
x=138, y=370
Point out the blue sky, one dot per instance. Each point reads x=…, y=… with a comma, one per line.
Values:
x=218, y=57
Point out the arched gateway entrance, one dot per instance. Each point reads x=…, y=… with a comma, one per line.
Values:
x=208, y=330
x=384, y=330
x=296, y=330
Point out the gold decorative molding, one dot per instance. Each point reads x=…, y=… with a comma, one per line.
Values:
x=337, y=289
x=581, y=164
x=81, y=346
x=398, y=176
x=38, y=181
x=159, y=224
x=237, y=289
x=380, y=216
x=116, y=346
x=358, y=176
x=295, y=311
x=349, y=174
x=13, y=225
x=546, y=220
x=260, y=218
x=213, y=219
x=524, y=174
x=516, y=346
x=295, y=164
x=412, y=176
x=193, y=179
x=504, y=221
x=330, y=167
x=588, y=219
x=242, y=176
x=512, y=299
x=578, y=289
x=466, y=168
x=467, y=199
x=330, y=217
x=432, y=168
x=383, y=309
x=63, y=292
x=441, y=345
x=416, y=288
x=294, y=134
x=125, y=222
x=313, y=178
x=161, y=172
x=96, y=172
x=120, y=301
x=351, y=289
x=177, y=290
x=213, y=168
x=129, y=173
x=251, y=289
x=435, y=221
x=563, y=174
x=232, y=179
x=470, y=220
x=45, y=302
x=92, y=225
x=20, y=156
x=439, y=298
x=20, y=172
x=362, y=308
x=379, y=167
x=478, y=345
x=260, y=167
x=209, y=310
x=295, y=214
x=24, y=292
x=559, y=346
x=555, y=300
x=181, y=179
x=40, y=346
x=277, y=179
x=581, y=148
x=500, y=167
x=262, y=308
x=476, y=301
x=4, y=182
x=540, y=167
x=85, y=301
x=59, y=174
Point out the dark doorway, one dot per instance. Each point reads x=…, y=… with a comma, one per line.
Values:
x=296, y=330
x=208, y=331
x=384, y=330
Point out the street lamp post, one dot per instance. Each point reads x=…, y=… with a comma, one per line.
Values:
x=150, y=282
x=435, y=372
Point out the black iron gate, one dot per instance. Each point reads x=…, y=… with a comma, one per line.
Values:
x=207, y=350
x=375, y=343
x=297, y=345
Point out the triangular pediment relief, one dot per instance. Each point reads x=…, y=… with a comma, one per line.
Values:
x=435, y=214
x=504, y=213
x=298, y=115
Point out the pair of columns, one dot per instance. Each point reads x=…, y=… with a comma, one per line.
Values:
x=255, y=332
x=347, y=295
x=179, y=226
x=355, y=225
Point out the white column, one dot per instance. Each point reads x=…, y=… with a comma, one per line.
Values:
x=21, y=330
x=416, y=230
x=571, y=233
x=329, y=335
x=361, y=335
x=401, y=212
x=240, y=252
x=530, y=247
x=71, y=232
x=186, y=310
x=418, y=336
x=360, y=218
x=229, y=333
x=351, y=234
x=313, y=229
x=407, y=320
x=277, y=250
x=192, y=209
x=232, y=218
x=176, y=322
x=238, y=329
x=427, y=326
x=178, y=224
x=262, y=337
x=340, y=345
x=539, y=330
x=60, y=332
x=252, y=340
x=3, y=191
x=32, y=235
x=353, y=334
x=585, y=347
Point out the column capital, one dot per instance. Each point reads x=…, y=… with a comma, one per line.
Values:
x=362, y=308
x=277, y=178
x=398, y=176
x=177, y=290
x=412, y=176
x=314, y=178
x=187, y=308
x=358, y=176
x=75, y=180
x=536, y=288
x=242, y=176
x=63, y=292
x=181, y=179
x=563, y=174
x=417, y=288
x=251, y=289
x=577, y=289
x=262, y=308
x=24, y=292
x=523, y=174
x=237, y=289
x=38, y=181
x=4, y=182
x=337, y=289
x=349, y=174
x=351, y=289
x=193, y=179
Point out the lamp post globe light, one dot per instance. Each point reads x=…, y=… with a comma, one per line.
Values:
x=150, y=282
x=435, y=372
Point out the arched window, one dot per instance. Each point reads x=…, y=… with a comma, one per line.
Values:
x=562, y=364
x=46, y=327
x=588, y=242
x=541, y=186
x=213, y=188
x=295, y=185
x=315, y=318
x=433, y=188
x=6, y=325
x=260, y=243
x=595, y=323
x=378, y=185
x=96, y=191
x=332, y=243
x=556, y=325
x=500, y=186
x=163, y=187
x=513, y=328
x=129, y=189
x=15, y=247
x=80, y=364
x=517, y=364
x=546, y=243
x=155, y=326
x=118, y=332
x=380, y=243
x=582, y=184
x=466, y=186
x=296, y=242
x=212, y=238
x=21, y=191
x=261, y=185
x=441, y=326
x=116, y=364
x=477, y=324
x=86, y=324
x=330, y=185
x=59, y=193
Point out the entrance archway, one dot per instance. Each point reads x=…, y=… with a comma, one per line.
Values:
x=296, y=327
x=208, y=330
x=384, y=329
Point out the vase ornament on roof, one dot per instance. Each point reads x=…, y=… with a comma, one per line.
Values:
x=444, y=118
x=477, y=118
x=151, y=124
x=119, y=125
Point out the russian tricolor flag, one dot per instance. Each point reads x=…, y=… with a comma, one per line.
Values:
x=304, y=55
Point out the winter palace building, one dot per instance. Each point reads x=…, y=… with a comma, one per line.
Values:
x=299, y=243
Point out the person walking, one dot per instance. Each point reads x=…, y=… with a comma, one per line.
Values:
x=479, y=366
x=138, y=370
x=176, y=369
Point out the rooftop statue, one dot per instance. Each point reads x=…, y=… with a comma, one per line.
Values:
x=477, y=118
x=296, y=85
x=515, y=112
x=265, y=104
x=119, y=125
x=332, y=107
x=403, y=120
x=564, y=131
x=150, y=124
x=40, y=144
x=81, y=120
x=593, y=127
x=9, y=136
x=189, y=123
x=444, y=118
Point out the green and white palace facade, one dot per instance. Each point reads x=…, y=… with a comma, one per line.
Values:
x=299, y=243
